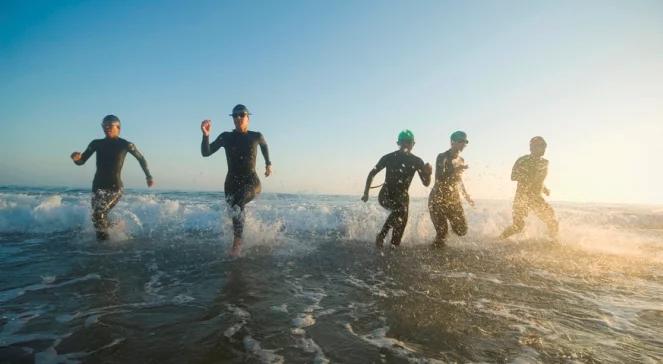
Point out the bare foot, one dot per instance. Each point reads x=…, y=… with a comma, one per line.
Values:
x=237, y=248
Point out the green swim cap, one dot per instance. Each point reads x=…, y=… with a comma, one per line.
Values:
x=459, y=136
x=406, y=136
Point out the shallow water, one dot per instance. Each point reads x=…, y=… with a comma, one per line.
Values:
x=310, y=286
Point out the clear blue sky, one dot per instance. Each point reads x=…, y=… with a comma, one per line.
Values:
x=331, y=83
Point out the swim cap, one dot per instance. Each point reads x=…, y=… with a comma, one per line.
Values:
x=109, y=119
x=406, y=136
x=459, y=136
x=239, y=108
x=538, y=140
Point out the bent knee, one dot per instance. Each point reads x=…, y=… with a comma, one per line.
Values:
x=461, y=231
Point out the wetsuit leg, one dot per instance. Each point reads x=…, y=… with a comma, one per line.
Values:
x=456, y=216
x=439, y=218
x=102, y=202
x=385, y=202
x=397, y=219
x=546, y=213
x=520, y=210
x=238, y=193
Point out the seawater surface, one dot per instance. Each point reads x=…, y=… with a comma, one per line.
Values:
x=311, y=287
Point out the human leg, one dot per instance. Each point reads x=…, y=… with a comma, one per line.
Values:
x=439, y=219
x=519, y=213
x=102, y=202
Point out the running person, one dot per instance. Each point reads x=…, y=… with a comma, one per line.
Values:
x=444, y=202
x=401, y=166
x=107, y=184
x=242, y=183
x=530, y=171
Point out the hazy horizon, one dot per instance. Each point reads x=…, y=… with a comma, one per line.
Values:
x=330, y=85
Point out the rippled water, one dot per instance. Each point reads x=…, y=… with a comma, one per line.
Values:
x=310, y=287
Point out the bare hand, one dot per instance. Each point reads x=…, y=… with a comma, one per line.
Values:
x=76, y=156
x=150, y=182
x=268, y=170
x=428, y=169
x=364, y=197
x=546, y=191
x=206, y=127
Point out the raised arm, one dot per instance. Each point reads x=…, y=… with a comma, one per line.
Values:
x=143, y=163
x=80, y=159
x=207, y=149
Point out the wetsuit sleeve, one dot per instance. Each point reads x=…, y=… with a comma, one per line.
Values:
x=207, y=149
x=542, y=173
x=425, y=177
x=518, y=172
x=143, y=163
x=264, y=150
x=91, y=148
x=464, y=190
x=382, y=163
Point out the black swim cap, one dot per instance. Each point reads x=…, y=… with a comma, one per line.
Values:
x=109, y=119
x=239, y=108
x=459, y=136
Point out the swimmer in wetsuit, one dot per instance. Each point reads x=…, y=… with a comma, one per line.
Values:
x=401, y=166
x=530, y=171
x=444, y=202
x=107, y=184
x=242, y=183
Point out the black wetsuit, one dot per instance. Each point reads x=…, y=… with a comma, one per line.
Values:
x=107, y=184
x=242, y=183
x=444, y=201
x=394, y=194
x=530, y=172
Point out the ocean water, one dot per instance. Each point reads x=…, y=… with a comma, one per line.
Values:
x=311, y=287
